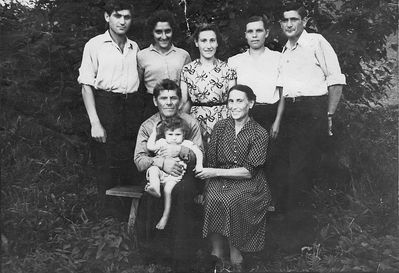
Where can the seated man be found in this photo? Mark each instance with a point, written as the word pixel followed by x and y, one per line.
pixel 181 226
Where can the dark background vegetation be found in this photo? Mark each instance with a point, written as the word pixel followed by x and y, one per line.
pixel 49 216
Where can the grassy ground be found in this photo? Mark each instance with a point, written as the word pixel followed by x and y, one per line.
pixel 50 220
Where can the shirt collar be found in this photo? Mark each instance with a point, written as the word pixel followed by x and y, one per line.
pixel 249 125
pixel 107 38
pixel 301 40
pixel 172 48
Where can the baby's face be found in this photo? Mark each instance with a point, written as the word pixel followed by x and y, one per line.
pixel 174 136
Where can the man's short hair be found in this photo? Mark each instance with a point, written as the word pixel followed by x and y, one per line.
pixel 298 7
pixel 161 16
pixel 257 18
pixel 117 5
pixel 166 84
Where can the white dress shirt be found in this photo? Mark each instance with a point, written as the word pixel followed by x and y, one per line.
pixel 309 67
pixel 105 67
pixel 259 73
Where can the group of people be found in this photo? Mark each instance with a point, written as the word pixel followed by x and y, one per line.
pixel 204 131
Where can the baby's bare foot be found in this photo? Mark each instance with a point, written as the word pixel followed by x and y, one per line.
pixel 152 190
pixel 162 223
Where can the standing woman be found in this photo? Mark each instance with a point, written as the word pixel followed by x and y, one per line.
pixel 237 194
pixel 205 81
pixel 161 60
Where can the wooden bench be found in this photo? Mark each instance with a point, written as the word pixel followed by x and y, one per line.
pixel 134 192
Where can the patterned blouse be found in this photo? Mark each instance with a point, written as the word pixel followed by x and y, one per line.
pixel 207 91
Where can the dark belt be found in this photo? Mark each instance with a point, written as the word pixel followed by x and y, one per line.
pixel 304 98
pixel 110 94
pixel 208 104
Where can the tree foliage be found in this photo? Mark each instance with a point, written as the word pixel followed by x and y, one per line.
pixel 49 199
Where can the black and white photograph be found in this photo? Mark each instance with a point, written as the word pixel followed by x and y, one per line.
pixel 199 136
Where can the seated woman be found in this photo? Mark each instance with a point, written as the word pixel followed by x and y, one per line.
pixel 236 194
pixel 205 81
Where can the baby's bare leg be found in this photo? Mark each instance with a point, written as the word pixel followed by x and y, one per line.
pixel 169 185
pixel 153 186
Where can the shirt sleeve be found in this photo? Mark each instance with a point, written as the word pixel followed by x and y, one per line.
pixel 257 154
pixel 328 61
pixel 89 67
pixel 187 59
pixel 142 156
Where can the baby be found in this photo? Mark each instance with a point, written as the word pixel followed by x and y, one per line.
pixel 173 131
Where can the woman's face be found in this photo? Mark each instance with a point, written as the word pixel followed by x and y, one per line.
pixel 239 105
pixel 207 44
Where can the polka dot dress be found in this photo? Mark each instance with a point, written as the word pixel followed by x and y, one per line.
pixel 236 208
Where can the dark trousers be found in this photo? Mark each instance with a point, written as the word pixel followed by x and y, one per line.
pixel 265 114
pixel 304 133
pixel 120 115
pixel 182 234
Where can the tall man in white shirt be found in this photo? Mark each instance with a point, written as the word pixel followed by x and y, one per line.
pixel 258 68
pixel 109 78
pixel 311 78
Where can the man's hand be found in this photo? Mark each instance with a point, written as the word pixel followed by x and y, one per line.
pixel 274 130
pixel 172 150
pixel 330 125
pixel 172 166
pixel 98 132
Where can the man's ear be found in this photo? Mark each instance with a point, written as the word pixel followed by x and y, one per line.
pixel 305 21
pixel 106 17
pixel 154 100
pixel 267 33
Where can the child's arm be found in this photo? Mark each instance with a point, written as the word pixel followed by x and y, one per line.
pixel 151 142
pixel 198 154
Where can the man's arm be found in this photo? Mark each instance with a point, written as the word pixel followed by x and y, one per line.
pixel 280 110
pixel 97 130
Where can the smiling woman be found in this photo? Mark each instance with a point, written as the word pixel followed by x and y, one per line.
pixel 236 194
pixel 161 60
pixel 205 81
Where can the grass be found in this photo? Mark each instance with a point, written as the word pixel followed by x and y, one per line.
pixel 50 220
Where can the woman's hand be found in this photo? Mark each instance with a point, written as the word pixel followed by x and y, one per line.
pixel 206 173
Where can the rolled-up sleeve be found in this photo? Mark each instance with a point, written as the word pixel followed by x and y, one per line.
pixel 142 156
pixel 329 63
pixel 89 67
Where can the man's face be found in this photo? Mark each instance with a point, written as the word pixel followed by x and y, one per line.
pixel 119 21
pixel 167 102
pixel 256 34
pixel 293 24
pixel 162 34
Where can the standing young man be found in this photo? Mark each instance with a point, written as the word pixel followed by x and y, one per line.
pixel 109 78
pixel 258 68
pixel 311 78
pixel 161 60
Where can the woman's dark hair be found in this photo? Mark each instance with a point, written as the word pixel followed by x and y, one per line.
pixel 117 5
pixel 161 16
pixel 173 123
pixel 257 18
pixel 205 27
pixel 298 7
pixel 243 88
pixel 166 84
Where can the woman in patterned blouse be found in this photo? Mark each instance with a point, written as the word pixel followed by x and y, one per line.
pixel 205 81
pixel 236 194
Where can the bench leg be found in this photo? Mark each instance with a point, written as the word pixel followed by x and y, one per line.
pixel 132 215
